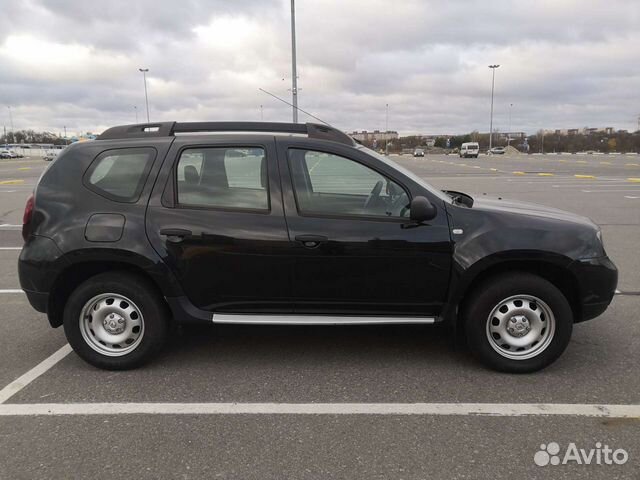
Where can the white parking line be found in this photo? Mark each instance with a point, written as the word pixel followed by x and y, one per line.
pixel 7 226
pixel 11 290
pixel 608 191
pixel 24 380
pixel 605 185
pixel 10 248
pixel 488 409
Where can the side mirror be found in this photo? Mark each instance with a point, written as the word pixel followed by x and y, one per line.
pixel 421 210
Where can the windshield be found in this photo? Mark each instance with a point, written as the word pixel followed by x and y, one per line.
pixel 441 195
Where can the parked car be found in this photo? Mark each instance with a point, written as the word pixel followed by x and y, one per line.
pixel 8 153
pixel 144 228
pixel 469 149
pixel 497 151
pixel 51 155
pixel 418 152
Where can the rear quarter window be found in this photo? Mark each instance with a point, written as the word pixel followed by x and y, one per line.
pixel 120 175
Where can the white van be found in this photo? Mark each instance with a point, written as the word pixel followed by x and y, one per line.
pixel 469 149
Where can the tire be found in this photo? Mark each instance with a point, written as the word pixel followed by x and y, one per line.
pixel 521 309
pixel 126 304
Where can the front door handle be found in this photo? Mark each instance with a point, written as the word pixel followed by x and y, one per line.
pixel 175 234
pixel 311 241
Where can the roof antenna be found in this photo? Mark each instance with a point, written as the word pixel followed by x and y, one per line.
pixel 296 107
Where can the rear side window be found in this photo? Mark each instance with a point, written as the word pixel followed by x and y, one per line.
pixel 223 177
pixel 120 175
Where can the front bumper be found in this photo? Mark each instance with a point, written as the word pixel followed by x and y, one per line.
pixel 38 300
pixel 597 281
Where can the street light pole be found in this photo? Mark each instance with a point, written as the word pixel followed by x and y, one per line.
pixel 386 130
pixel 135 108
pixel 493 79
pixel 13 133
pixel 509 131
pixel 294 74
pixel 261 113
pixel 146 98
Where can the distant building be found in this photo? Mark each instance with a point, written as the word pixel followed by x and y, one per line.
pixel 365 136
pixel 577 131
pixel 511 135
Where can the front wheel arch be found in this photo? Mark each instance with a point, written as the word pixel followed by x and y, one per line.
pixel 559 276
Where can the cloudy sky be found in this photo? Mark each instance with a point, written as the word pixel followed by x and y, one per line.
pixel 563 63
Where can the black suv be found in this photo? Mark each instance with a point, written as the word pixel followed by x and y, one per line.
pixel 275 223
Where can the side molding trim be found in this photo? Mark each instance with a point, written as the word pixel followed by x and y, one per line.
pixel 288 319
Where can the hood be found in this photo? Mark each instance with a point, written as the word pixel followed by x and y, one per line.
pixel 531 209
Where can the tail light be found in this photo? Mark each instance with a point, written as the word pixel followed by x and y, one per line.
pixel 26 218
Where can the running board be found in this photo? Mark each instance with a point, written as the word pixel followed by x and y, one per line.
pixel 248 319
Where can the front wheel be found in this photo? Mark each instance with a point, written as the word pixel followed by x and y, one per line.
pixel 518 323
pixel 116 321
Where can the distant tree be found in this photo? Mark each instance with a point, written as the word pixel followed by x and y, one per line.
pixel 31 136
pixel 440 142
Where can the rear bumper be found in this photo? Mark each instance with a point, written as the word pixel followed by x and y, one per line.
pixel 38 264
pixel 597 282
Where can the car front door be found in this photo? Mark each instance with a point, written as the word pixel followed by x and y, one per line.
pixel 356 251
pixel 216 219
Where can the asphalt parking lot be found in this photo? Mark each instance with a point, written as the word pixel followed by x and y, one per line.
pixel 316 402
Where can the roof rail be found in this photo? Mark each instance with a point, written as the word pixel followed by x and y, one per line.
pixel 140 130
pixel 168 129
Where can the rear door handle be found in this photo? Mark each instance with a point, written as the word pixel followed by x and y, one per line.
pixel 177 233
pixel 311 241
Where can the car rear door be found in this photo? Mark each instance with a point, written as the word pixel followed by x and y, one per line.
pixel 216 219
pixel 357 260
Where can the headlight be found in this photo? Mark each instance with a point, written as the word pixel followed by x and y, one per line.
pixel 599 236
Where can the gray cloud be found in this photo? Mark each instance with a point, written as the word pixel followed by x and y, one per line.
pixel 563 63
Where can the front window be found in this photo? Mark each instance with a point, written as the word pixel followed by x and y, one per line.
pixel 407 173
pixel 329 184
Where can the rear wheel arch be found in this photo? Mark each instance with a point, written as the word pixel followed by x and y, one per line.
pixel 77 273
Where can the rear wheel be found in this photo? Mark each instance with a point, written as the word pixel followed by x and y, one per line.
pixel 116 321
pixel 518 323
